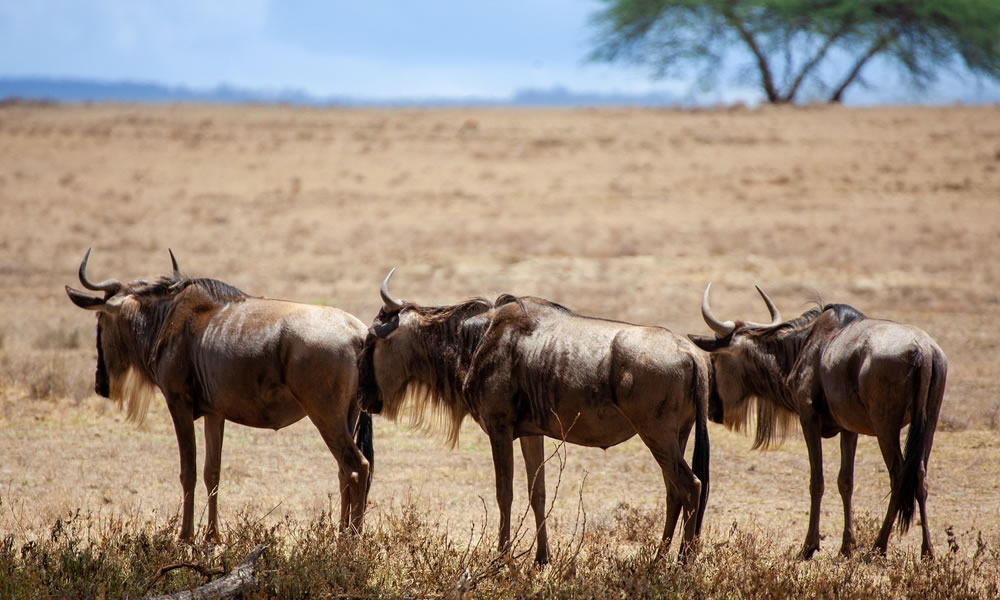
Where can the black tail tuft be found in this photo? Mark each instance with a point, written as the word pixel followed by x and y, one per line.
pixel 923 381
pixel 365 439
pixel 700 458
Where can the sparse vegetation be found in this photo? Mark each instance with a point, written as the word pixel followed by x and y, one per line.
pixel 47 374
pixel 58 338
pixel 858 205
pixel 407 555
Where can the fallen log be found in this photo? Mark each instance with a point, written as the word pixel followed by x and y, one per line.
pixel 224 587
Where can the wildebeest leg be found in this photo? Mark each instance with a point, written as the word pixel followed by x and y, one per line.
pixel 214 429
pixel 926 549
pixel 533 450
pixel 502 444
pixel 845 483
pixel 814 444
pixel 893 456
pixel 348 495
pixel 331 418
pixel 678 476
pixel 673 499
pixel 345 498
pixel 353 468
pixel 183 419
pixel 328 401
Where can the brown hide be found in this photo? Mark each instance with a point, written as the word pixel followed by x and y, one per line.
pixel 524 368
pixel 834 371
pixel 218 353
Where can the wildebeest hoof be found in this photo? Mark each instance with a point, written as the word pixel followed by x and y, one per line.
pixel 807 551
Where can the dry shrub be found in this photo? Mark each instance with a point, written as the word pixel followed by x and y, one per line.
pixel 635 524
pixel 406 554
pixel 952 422
pixel 48 374
pixel 993 415
pixel 58 337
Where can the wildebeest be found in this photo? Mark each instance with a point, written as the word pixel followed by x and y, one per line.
pixel 835 371
pixel 524 368
pixel 215 352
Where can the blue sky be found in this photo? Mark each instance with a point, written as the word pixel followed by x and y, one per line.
pixel 367 49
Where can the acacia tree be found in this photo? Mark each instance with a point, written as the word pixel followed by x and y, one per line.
pixel 793 43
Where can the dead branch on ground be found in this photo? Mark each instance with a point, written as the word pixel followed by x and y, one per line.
pixel 225 587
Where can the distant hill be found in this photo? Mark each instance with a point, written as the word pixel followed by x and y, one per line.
pixel 88 90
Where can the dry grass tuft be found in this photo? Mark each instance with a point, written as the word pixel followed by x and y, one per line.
pixel 405 555
pixel 47 374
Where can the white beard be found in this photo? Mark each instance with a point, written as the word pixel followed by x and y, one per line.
pixel 135 391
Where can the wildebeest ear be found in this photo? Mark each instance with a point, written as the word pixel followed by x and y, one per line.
pixel 84 300
pixel 382 330
pixel 709 343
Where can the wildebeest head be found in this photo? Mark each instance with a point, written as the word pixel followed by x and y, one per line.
pixel 419 353
pixel 129 318
pixel 749 361
pixel 384 326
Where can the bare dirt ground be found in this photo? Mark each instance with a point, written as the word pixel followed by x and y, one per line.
pixel 617 213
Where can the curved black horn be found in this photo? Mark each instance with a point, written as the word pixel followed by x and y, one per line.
pixel 173 263
pixel 109 285
pixel 771 308
pixel 391 304
pixel 721 328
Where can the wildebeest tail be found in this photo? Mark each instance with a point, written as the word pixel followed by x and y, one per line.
pixel 928 391
pixel 364 438
pixel 700 459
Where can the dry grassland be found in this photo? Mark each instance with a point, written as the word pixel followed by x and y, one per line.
pixel 618 213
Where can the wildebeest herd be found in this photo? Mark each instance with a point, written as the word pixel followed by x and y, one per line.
pixel 523 368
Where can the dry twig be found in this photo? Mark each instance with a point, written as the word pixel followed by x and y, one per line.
pixel 225 587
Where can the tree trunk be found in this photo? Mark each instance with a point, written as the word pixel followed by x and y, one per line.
pixel 877 47
pixel 811 64
pixel 766 79
pixel 225 587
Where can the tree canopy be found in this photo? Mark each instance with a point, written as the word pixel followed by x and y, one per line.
pixel 823 44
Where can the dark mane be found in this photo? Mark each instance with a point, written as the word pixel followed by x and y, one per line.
pixel 440 314
pixel 798 322
pixel 520 300
pixel 784 341
pixel 450 336
pixel 845 314
pixel 776 355
pixel 507 299
pixel 773 356
pixel 218 291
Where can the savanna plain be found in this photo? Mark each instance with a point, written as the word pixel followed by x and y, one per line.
pixel 618 213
